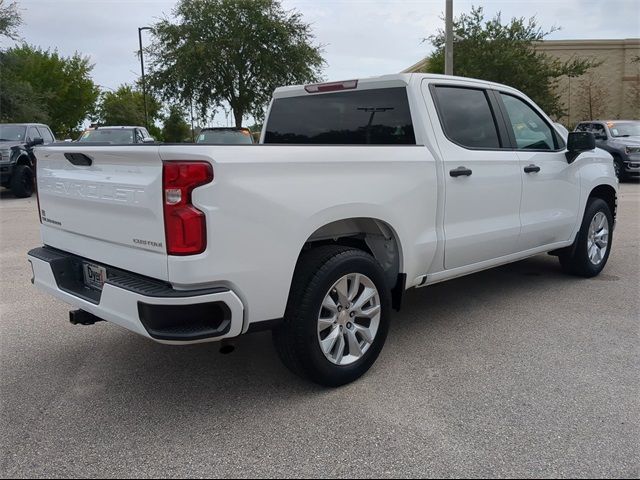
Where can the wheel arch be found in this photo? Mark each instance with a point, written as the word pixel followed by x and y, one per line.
pixel 23 159
pixel 372 235
pixel 608 194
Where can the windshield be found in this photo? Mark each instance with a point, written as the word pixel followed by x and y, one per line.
pixel 626 129
pixel 120 135
pixel 12 133
pixel 220 137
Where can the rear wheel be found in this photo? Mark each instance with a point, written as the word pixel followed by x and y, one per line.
pixel 590 252
pixel 337 316
pixel 22 181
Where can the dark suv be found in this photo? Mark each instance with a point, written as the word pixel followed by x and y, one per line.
pixel 621 138
pixel 16 158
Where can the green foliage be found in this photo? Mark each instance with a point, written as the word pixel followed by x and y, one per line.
pixel 10 20
pixel 233 52
pixel 256 127
pixel 125 106
pixel 505 53
pixel 176 129
pixel 40 85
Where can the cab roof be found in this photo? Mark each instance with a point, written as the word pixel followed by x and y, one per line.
pixel 384 81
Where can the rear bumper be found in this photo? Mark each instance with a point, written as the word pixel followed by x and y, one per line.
pixel 145 306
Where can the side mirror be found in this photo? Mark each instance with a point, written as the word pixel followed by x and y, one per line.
pixel 148 140
pixel 34 142
pixel 579 142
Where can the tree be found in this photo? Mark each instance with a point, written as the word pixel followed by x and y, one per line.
pixel 41 85
pixel 18 100
pixel 10 20
pixel 592 97
pixel 231 52
pixel 491 50
pixel 633 93
pixel 125 106
pixel 176 129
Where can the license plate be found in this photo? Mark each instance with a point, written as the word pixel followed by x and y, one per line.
pixel 94 275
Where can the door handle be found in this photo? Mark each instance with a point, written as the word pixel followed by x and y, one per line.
pixel 532 169
pixel 460 171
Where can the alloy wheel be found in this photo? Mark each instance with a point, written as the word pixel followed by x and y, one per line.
pixel 349 319
pixel 598 238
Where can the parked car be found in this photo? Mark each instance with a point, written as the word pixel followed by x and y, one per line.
pixel 225 136
pixel 621 138
pixel 116 135
pixel 366 189
pixel 16 159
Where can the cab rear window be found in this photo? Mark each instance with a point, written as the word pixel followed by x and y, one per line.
pixel 364 117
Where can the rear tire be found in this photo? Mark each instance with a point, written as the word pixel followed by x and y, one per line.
pixel 22 181
pixel 303 341
pixel 588 256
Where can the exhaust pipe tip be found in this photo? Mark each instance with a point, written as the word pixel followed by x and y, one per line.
pixel 80 317
pixel 227 347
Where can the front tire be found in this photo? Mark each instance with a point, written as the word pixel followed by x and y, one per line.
pixel 337 316
pixel 22 181
pixel 618 166
pixel 588 256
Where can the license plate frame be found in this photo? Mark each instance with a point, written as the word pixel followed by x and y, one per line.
pixel 94 275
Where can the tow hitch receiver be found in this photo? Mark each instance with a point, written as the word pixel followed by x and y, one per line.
pixel 80 317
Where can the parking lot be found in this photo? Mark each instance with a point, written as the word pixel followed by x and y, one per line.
pixel 516 371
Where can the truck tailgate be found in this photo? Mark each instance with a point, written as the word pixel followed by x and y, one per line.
pixel 104 203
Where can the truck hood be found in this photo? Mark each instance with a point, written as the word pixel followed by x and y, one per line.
pixel 11 144
pixel 627 141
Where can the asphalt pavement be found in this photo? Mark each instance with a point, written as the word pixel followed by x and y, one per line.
pixel 516 371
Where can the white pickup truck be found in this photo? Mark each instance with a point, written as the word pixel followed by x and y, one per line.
pixel 360 190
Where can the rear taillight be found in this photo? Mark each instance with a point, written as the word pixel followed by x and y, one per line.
pixel 184 225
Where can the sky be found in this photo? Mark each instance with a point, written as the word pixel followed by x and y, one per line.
pixel 360 37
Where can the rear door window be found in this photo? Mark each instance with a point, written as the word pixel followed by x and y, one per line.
pixel 466 117
pixel 598 129
pixel 45 135
pixel 33 133
pixel 359 117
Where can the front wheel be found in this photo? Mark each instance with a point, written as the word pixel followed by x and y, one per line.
pixel 337 316
pixel 22 181
pixel 588 256
pixel 618 167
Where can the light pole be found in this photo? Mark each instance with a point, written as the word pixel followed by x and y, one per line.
pixel 144 86
pixel 448 45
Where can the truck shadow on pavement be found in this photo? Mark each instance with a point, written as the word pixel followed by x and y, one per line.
pixel 6 194
pixel 106 365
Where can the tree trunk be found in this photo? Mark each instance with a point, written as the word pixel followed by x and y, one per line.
pixel 237 114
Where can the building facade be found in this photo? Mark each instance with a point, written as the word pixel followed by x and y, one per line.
pixel 609 91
